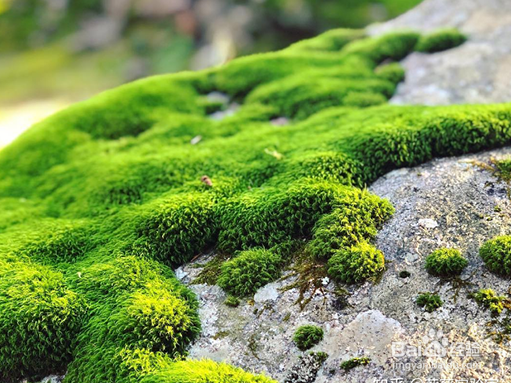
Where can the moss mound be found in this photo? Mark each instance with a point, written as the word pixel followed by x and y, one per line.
pixel 445 262
pixel 250 270
pixel 440 40
pixel 99 202
pixel 429 301
pixel 496 254
pixel 356 264
pixel 307 336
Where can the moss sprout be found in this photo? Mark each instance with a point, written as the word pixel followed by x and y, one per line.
pixel 232 301
pixel 307 336
pixel 489 300
pixel 445 262
pixel 429 301
pixel 355 362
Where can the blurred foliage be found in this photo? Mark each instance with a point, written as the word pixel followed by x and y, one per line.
pixel 84 46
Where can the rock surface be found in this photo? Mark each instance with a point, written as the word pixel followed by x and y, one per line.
pixel 452 202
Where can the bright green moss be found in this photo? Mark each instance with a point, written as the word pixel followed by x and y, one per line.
pixel 504 169
pixel 107 195
pixel 489 300
pixel 307 336
pixel 356 263
pixel 429 301
pixel 496 254
pixel 393 72
pixel 348 225
pixel 203 371
pixel 445 262
pixel 355 362
pixel 39 317
pixel 248 271
pixel 440 40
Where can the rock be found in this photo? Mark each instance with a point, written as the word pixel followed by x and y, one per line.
pixel 428 223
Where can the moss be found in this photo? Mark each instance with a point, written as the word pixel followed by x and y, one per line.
pixel 248 271
pixel 203 371
pixel 355 362
pixel 496 254
pixel 489 300
pixel 232 301
pixel 307 336
pixel 445 262
pixel 356 264
pixel 429 301
pixel 504 170
pixel 100 201
pixel 404 274
pixel 392 72
pixel 440 40
pixel 36 309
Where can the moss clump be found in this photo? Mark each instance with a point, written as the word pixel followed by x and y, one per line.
pixel 356 264
pixel 489 300
pixel 504 170
pixel 248 271
pixel 429 301
pixel 232 301
pixel 39 316
pixel 445 262
pixel 496 254
pixel 440 40
pixel 203 371
pixel 307 336
pixel 355 362
pixel 393 72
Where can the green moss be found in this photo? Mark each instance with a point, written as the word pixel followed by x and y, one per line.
pixel 504 170
pixel 248 271
pixel 489 300
pixel 203 371
pixel 232 301
pixel 445 262
pixel 429 301
pixel 356 264
pixel 99 202
pixel 496 254
pixel 307 336
pixel 393 72
pixel 355 362
pixel 39 317
pixel 440 40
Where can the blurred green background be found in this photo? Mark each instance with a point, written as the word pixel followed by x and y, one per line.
pixel 55 52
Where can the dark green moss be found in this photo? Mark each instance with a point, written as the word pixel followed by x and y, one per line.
pixel 440 40
pixel 429 301
pixel 355 362
pixel 307 336
pixel 445 262
pixel 404 274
